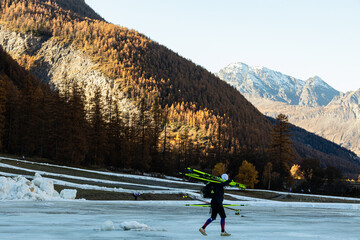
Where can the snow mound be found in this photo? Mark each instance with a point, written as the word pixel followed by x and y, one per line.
pixel 136 226
pixel 107 226
pixel 20 188
pixel 68 194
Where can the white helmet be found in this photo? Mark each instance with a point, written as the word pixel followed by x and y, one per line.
pixel 225 177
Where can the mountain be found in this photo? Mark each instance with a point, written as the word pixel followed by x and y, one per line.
pixel 262 82
pixel 316 92
pixel 174 113
pixel 265 83
pixel 58 46
pixel 312 104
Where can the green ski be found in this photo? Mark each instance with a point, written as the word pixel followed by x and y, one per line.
pixel 208 204
pixel 193 173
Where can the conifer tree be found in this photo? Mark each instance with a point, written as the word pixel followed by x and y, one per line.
pixel 116 139
pixel 139 132
pixel 155 136
pixel 97 132
pixel 52 123
pixel 281 149
pixel 78 128
pixel 267 175
pixel 64 125
pixel 313 173
pixel 2 110
pixel 27 118
pixel 10 136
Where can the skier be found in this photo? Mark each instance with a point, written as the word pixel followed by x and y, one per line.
pixel 136 195
pixel 217 206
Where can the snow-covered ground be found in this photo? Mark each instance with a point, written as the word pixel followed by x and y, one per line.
pixel 37 211
pixel 173 220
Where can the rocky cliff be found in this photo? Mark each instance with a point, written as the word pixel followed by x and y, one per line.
pixel 56 63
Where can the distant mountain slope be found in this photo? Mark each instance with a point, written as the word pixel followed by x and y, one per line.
pixel 208 120
pixel 265 83
pixel 329 152
pixel 312 105
pixel 262 82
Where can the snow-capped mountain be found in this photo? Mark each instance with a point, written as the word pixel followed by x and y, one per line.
pixel 316 92
pixel 266 83
pixel 312 104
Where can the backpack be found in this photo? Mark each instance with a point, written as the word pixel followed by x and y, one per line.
pixel 208 191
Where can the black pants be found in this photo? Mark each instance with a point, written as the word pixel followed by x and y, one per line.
pixel 217 208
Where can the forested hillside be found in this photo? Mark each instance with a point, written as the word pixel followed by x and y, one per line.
pixel 147 70
pixel 186 116
pixel 35 121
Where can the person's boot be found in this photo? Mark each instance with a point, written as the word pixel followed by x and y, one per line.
pixel 225 234
pixel 202 230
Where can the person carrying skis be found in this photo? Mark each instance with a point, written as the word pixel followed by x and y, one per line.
pixel 217 206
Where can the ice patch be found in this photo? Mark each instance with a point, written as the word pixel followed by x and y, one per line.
pixel 20 188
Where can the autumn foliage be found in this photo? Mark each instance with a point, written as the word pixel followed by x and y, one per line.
pixel 216 119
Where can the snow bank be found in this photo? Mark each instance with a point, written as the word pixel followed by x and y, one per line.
pixel 20 188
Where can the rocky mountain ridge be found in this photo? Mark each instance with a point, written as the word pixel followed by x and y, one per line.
pixel 312 104
pixel 266 83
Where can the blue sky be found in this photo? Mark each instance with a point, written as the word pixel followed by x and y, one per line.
pixel 300 38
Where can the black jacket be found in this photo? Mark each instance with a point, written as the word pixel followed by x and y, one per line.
pixel 219 192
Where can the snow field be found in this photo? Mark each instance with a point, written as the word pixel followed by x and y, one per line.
pixel 53 218
pixel 171 220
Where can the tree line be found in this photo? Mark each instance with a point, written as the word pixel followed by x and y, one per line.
pixel 35 121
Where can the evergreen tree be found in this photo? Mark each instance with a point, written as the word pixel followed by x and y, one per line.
pixel 313 174
pixel 143 129
pixel 155 136
pixel 11 131
pixel 39 132
pixel 52 111
pixel 281 149
pixel 27 118
pixel 63 128
pixel 3 101
pixel 114 133
pixel 78 128
pixel 97 132
pixel 268 175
